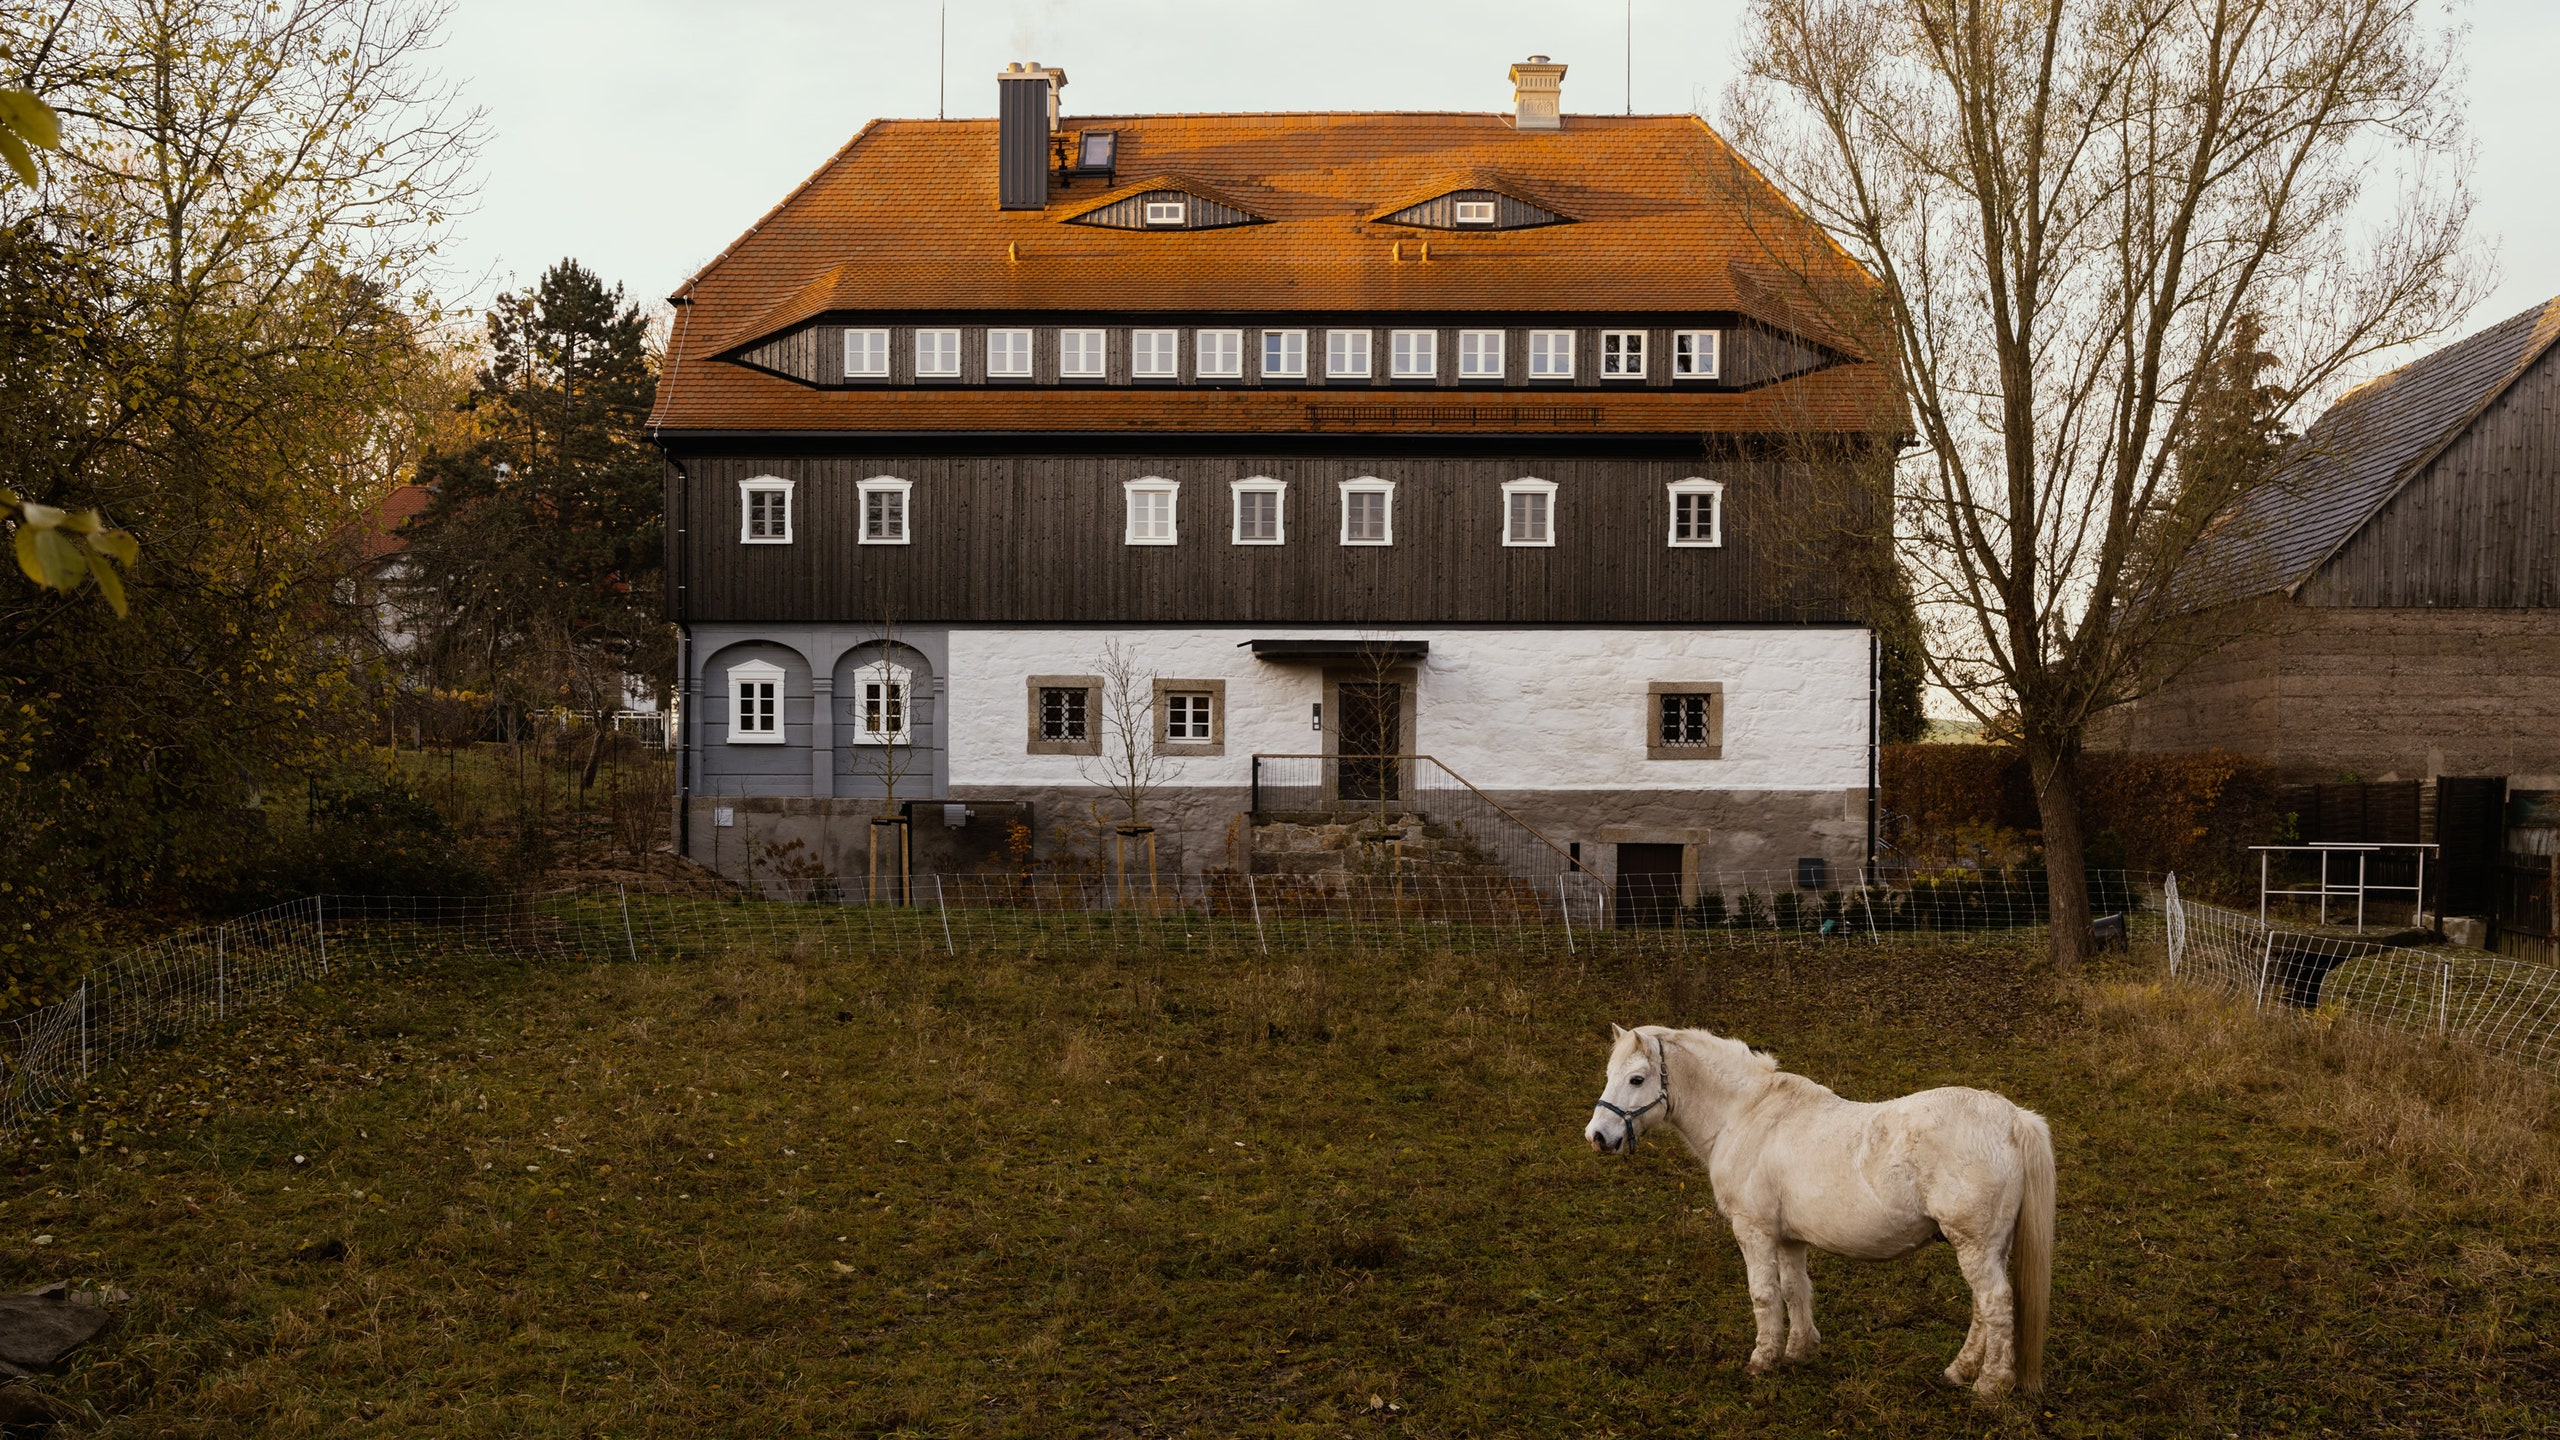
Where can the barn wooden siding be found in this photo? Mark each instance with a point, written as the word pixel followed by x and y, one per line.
pixel 1039 540
pixel 1442 214
pixel 1752 356
pixel 1199 213
pixel 2478 527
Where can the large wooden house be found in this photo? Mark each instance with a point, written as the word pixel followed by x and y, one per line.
pixel 1349 435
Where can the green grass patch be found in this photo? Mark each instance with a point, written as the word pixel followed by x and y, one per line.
pixel 796 1192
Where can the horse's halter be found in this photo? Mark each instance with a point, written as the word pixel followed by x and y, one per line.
pixel 1661 1098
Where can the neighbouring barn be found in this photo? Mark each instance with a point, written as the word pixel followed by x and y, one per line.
pixel 1425 462
pixel 2398 590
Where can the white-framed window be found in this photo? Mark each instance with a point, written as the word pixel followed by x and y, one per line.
pixel 1081 353
pixel 1550 354
pixel 866 354
pixel 938 354
pixel 1697 512
pixel 1368 511
pixel 1218 354
pixel 1475 212
pixel 1346 353
pixel 1479 354
pixel 1155 354
pixel 1150 510
pixel 1697 354
pixel 764 511
pixel 1414 354
pixel 755 703
pixel 1167 212
pixel 1621 354
pixel 1187 717
pixel 883 704
pixel 1529 512
pixel 1284 354
pixel 1261 511
pixel 884 509
pixel 1009 354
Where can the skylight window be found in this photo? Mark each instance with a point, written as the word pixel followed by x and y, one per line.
pixel 1167 212
pixel 1096 150
pixel 1475 212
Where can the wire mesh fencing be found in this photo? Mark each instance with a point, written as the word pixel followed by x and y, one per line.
pixel 2505 1007
pixel 162 992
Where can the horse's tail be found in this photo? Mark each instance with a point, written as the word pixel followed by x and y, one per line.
pixel 2033 1247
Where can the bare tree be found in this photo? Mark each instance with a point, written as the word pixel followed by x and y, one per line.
pixel 2075 214
pixel 1130 764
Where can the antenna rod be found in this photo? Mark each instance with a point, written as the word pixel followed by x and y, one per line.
pixel 942 65
pixel 1631 57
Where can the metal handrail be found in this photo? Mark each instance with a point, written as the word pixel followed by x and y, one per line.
pixel 1572 861
pixel 2363 851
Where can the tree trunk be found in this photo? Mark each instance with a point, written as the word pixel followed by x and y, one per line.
pixel 2056 771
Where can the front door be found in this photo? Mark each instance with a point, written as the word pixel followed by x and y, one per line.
pixel 1366 739
pixel 1648 885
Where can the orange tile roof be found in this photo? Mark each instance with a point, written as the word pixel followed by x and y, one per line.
pixel 904 218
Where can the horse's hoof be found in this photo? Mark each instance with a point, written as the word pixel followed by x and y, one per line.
pixel 1990 1386
pixel 1797 1355
pixel 1955 1376
pixel 1760 1365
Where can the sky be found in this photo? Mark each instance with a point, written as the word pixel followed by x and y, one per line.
pixel 642 136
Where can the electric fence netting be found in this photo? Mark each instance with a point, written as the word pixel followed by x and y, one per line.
pixel 160 993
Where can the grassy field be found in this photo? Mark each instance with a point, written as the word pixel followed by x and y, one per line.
pixel 778 1194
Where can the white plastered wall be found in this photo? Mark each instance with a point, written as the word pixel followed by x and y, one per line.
pixel 1509 709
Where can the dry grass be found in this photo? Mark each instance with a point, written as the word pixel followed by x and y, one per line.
pixel 1009 1194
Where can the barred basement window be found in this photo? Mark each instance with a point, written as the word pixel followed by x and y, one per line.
pixel 1685 718
pixel 764 511
pixel 1062 714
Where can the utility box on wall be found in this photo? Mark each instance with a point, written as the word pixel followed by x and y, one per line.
pixel 964 837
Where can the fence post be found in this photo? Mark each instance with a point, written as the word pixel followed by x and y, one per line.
pixel 628 943
pixel 221 986
pixel 1867 903
pixel 1564 902
pixel 320 926
pixel 941 905
pixel 84 1030
pixel 1255 895
pixel 2266 958
pixel 2444 1000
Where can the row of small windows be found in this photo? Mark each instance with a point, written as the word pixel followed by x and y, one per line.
pixel 1257 514
pixel 1219 354
pixel 1688 720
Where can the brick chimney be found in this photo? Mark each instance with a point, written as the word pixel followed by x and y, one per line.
pixel 1026 113
pixel 1537 94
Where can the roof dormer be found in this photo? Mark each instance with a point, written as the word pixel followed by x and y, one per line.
pixel 1472 200
pixel 1164 202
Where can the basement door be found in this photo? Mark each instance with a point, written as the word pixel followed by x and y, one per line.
pixel 1365 747
pixel 1648 885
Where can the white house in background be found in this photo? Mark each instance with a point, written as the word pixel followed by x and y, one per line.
pixel 1359 435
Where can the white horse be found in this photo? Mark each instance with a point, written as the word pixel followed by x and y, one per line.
pixel 1795 1165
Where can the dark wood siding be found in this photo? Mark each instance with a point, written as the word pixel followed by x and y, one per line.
pixel 2479 527
pixel 1200 214
pixel 1038 539
pixel 1442 214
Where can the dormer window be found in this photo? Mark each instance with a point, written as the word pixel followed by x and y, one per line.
pixel 866 354
pixel 1167 212
pixel 1622 354
pixel 1694 354
pixel 938 354
pixel 1475 212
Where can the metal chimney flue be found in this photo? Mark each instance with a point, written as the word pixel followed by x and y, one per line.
pixel 1537 94
pixel 1026 113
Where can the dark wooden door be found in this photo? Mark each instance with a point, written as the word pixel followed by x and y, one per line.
pixel 1366 741
pixel 1648 885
